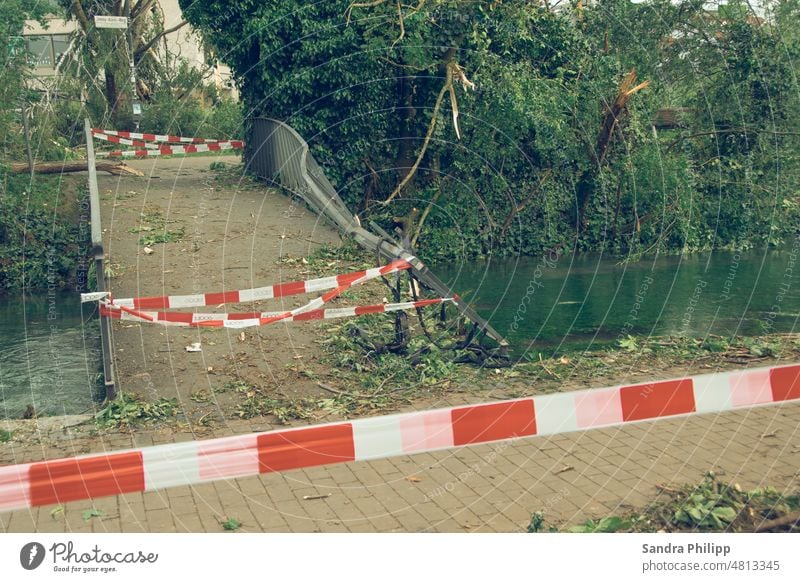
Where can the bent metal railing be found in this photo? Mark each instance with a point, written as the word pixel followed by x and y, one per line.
pixel 277 154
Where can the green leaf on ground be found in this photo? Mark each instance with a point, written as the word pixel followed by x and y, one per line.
pixel 90 513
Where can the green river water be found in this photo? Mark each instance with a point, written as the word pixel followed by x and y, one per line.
pixel 49 355
pixel 50 352
pixel 560 301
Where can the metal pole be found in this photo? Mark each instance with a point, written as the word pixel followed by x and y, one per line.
pixel 98 252
pixel 132 64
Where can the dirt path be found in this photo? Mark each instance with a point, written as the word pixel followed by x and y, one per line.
pixel 226 232
pixel 229 233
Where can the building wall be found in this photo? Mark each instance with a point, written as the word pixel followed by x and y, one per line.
pixel 185 43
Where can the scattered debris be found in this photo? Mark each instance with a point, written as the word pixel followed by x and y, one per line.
pixel 90 513
pixel 310 497
pixel 195 347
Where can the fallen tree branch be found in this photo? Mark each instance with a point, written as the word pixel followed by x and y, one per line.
pixel 410 174
pixel 424 216
pixel 453 72
pixel 115 168
pixel 793 519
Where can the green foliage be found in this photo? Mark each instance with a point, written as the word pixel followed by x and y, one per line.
pixel 759 348
pixel 231 524
pixel 130 410
pixel 610 524
pixel 421 364
pixel 42 239
pixel 712 506
pixel 629 343
pixel 530 170
pixel 537 524
pixel 14 73
pixel 88 514
pixel 709 506
pixel 5 435
pixel 153 229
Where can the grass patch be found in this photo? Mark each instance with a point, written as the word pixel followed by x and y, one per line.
pixel 5 436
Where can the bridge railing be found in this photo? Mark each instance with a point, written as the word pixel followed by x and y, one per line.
pixel 98 254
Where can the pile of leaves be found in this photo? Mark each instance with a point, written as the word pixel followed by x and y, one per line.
pixel 709 506
pixel 130 410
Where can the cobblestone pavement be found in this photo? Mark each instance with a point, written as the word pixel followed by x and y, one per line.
pixel 485 488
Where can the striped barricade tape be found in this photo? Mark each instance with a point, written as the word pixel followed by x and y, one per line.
pixel 188 463
pixel 268 319
pixel 150 137
pixel 260 293
pixel 146 144
pixel 176 150
pixel 240 320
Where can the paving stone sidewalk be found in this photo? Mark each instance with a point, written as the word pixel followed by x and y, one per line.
pixel 484 488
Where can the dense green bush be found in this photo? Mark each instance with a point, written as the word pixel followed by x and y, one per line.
pixel 533 167
pixel 44 239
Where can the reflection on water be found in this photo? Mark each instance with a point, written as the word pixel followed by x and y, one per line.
pixel 548 302
pixel 48 357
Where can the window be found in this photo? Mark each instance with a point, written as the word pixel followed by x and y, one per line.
pixel 46 50
pixel 41 50
pixel 60 46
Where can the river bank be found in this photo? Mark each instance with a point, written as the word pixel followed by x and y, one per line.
pixel 346 395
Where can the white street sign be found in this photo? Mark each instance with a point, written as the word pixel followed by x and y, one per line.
pixel 111 21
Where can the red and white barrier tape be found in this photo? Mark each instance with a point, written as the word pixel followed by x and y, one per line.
pixel 239 320
pixel 188 463
pixel 153 144
pixel 129 142
pixel 151 137
pixel 263 319
pixel 257 294
pixel 176 150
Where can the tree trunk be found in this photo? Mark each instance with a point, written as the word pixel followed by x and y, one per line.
pixel 116 168
pixel 111 92
pixel 611 119
pixel 405 149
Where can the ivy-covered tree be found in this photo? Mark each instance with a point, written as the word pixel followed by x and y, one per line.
pixel 513 126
